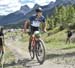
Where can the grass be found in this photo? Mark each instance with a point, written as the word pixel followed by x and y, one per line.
pixel 54 41
pixel 9 58
pixel 8 55
pixel 57 40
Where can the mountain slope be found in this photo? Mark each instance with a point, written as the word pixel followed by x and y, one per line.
pixel 16 16
pixel 26 12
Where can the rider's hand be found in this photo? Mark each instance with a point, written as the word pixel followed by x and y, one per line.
pixel 44 30
pixel 24 31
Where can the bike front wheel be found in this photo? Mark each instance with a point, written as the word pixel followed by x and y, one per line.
pixel 40 51
pixel 32 52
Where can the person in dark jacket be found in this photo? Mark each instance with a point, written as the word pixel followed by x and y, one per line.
pixel 1 43
pixel 69 34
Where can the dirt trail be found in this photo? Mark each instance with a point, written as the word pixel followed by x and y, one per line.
pixel 24 58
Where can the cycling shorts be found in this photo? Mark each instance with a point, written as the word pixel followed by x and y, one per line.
pixel 33 29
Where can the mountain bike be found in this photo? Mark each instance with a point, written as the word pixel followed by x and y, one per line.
pixel 37 47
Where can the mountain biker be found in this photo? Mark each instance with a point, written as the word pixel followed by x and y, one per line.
pixel 34 23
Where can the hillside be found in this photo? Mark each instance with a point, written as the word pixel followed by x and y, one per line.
pixel 26 12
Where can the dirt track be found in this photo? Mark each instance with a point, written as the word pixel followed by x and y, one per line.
pixel 54 58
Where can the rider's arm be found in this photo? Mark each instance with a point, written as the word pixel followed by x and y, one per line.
pixel 44 25
pixel 26 24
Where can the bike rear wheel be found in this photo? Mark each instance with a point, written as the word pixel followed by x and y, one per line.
pixel 40 51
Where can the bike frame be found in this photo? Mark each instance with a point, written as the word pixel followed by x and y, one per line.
pixel 33 40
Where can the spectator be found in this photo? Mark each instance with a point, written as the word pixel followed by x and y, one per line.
pixel 69 34
pixel 1 42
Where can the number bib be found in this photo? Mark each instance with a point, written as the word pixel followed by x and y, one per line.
pixel 35 23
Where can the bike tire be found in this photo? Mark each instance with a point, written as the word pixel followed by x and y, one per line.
pixel 37 51
pixel 32 53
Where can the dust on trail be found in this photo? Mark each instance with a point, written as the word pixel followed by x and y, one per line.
pixel 22 57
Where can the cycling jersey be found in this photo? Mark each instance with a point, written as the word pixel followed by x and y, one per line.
pixel 35 23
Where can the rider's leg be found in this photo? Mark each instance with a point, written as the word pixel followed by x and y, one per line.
pixel 29 47
pixel 33 29
pixel 31 32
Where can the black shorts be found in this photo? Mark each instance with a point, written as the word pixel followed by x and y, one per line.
pixel 33 29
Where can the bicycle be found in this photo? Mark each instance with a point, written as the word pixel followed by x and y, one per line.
pixel 37 47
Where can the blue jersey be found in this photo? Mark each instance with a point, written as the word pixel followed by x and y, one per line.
pixel 35 22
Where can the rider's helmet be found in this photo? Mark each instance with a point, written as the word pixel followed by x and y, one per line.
pixel 39 9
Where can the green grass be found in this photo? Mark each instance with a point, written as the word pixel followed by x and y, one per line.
pixel 8 56
pixel 54 41
pixel 57 40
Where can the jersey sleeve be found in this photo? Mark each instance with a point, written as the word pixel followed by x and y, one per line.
pixel 31 18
